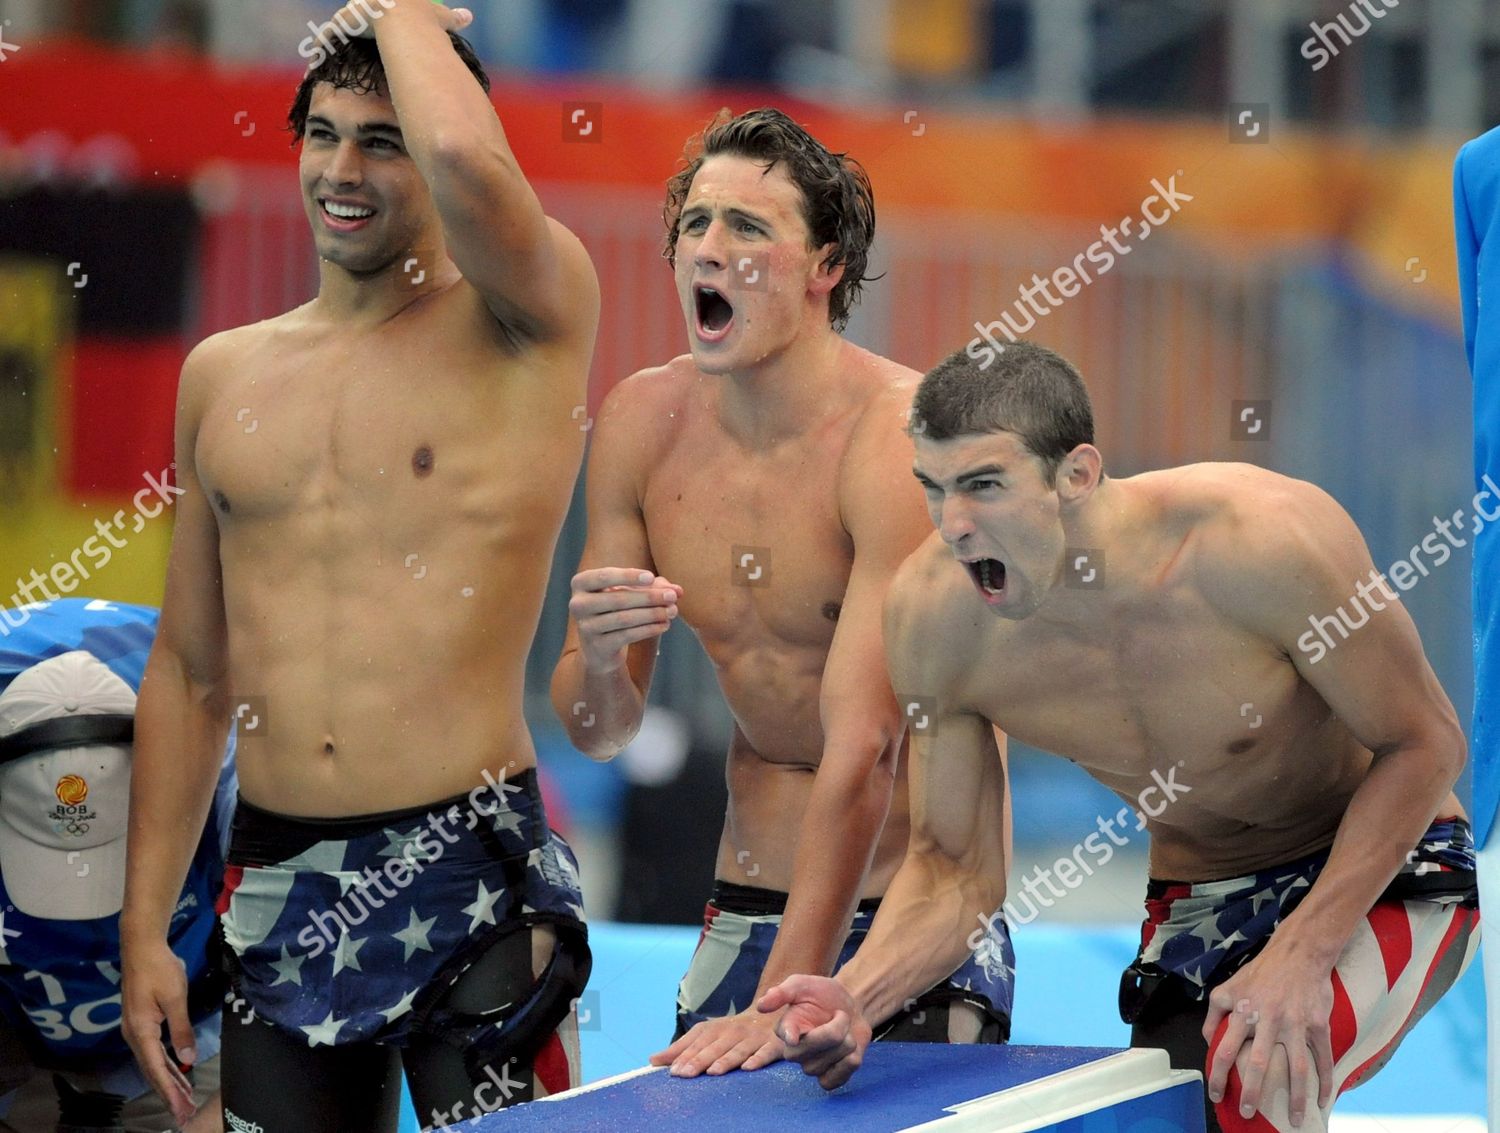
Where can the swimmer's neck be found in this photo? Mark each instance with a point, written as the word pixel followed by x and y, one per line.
pixel 1117 517
pixel 375 297
pixel 788 393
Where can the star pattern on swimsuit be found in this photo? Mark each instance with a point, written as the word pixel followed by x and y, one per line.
pixel 346 954
pixel 403 1005
pixel 482 909
pixel 324 857
pixel 508 821
pixel 1209 933
pixel 397 845
pixel 288 969
pixel 13 933
pixel 414 935
pixel 325 1033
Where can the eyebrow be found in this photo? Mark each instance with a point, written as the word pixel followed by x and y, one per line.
pixel 733 213
pixel 985 472
pixel 366 128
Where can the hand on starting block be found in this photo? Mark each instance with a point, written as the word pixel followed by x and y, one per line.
pixel 747 1041
pixel 822 1028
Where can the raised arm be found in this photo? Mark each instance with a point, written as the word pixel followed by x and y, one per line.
pixel 1379 684
pixel 182 723
pixel 533 273
pixel 953 876
pixel 619 607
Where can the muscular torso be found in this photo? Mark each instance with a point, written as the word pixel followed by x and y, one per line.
pixel 1165 681
pixel 708 501
pixel 387 501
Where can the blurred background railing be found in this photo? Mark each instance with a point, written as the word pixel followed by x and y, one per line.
pixel 1062 57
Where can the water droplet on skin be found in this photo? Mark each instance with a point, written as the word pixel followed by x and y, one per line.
pixel 468 592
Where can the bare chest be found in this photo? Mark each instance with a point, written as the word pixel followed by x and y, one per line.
pixel 756 541
pixel 1165 681
pixel 374 425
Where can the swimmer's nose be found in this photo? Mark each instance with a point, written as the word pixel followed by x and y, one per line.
pixel 346 168
pixel 954 521
pixel 712 254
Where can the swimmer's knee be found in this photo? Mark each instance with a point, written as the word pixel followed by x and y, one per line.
pixel 1274 1109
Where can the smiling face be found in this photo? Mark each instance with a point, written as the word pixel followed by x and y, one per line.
pixel 991 500
pixel 747 279
pixel 364 197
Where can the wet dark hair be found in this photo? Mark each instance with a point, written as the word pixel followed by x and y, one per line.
pixel 837 201
pixel 1026 389
pixel 355 65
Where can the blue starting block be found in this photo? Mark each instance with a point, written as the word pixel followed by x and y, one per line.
pixel 901 1087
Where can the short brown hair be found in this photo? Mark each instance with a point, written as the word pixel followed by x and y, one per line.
pixel 1027 390
pixel 355 65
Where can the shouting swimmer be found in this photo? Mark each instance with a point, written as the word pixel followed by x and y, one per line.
pixel 1312 886
pixel 757 487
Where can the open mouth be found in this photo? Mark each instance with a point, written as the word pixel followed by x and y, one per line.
pixel 344 217
pixel 989 577
pixel 715 313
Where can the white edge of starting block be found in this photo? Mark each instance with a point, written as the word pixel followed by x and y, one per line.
pixel 603 1083
pixel 1121 1077
pixel 1429 1123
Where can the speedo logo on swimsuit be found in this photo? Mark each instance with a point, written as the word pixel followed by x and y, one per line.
pixel 240 1125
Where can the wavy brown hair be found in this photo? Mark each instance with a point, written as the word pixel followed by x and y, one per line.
pixel 837 201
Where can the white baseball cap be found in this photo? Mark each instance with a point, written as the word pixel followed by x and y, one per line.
pixel 64 810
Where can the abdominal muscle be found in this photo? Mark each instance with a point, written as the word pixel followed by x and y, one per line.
pixel 767 802
pixel 379 692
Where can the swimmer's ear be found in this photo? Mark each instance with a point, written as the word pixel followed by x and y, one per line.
pixel 825 276
pixel 1079 474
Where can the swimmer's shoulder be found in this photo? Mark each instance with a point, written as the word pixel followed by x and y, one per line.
pixel 1228 499
pixel 885 382
pixel 886 389
pixel 643 413
pixel 1256 533
pixel 652 398
pixel 216 361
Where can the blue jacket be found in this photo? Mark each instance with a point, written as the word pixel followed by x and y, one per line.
pixel 1476 193
pixel 59 982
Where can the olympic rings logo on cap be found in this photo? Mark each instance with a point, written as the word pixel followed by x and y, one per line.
pixel 72 790
pixel 76 827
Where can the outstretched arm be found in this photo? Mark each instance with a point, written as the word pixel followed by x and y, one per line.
pixel 533 274
pixel 953 876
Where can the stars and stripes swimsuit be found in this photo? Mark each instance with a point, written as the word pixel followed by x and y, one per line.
pixel 1410 948
pixel 343 932
pixel 740 924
